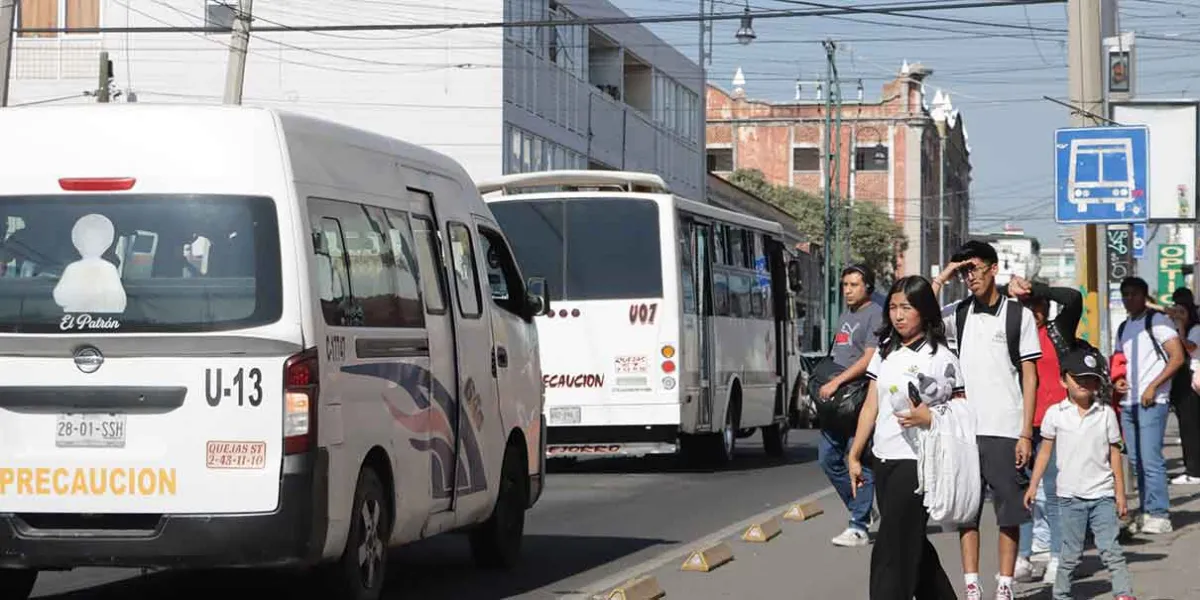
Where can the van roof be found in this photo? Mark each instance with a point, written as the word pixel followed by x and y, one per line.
pixel 97 138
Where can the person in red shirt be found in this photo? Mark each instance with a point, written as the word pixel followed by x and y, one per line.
pixel 1057 337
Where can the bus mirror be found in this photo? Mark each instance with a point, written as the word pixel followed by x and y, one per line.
pixel 538 296
pixel 793 272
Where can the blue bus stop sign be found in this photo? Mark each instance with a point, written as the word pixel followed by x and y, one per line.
pixel 1101 175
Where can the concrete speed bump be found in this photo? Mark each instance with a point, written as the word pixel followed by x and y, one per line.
pixel 641 588
pixel 708 559
pixel 763 532
pixel 803 512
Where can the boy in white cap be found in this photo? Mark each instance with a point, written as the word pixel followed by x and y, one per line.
pixel 1089 465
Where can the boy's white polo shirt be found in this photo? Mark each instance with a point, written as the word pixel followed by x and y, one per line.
pixel 1081 444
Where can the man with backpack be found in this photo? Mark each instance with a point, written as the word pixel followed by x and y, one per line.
pixel 998 350
pixel 841 378
pixel 1153 354
pixel 1057 338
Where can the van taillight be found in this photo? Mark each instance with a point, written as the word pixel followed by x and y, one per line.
pixel 300 384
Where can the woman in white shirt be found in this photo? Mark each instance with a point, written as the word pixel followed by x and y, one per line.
pixel 912 351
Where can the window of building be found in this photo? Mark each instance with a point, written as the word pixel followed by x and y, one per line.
pixel 44 14
pixel 806 159
pixel 871 158
pixel 720 160
pixel 220 13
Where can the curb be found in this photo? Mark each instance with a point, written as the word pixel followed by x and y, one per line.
pixel 709 549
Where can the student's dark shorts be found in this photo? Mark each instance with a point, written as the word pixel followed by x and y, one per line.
pixel 998 468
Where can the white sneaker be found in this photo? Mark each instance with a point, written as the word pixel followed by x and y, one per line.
pixel 1157 525
pixel 1185 479
pixel 973 592
pixel 1051 570
pixel 850 538
pixel 1004 592
pixel 1023 571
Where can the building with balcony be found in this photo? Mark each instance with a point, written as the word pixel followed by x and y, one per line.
pixel 499 100
pixel 891 154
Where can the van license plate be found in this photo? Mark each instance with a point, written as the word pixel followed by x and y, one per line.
pixel 90 430
pixel 564 415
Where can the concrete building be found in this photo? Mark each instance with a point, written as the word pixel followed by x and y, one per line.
pixel 1058 266
pixel 892 153
pixel 498 100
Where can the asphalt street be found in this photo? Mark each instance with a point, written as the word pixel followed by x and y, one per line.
pixel 595 519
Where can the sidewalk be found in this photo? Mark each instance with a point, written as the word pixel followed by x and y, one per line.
pixel 801 563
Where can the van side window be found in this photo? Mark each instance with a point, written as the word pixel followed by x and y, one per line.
pixel 462 255
pixel 333 281
pixel 403 263
pixel 355 239
pixel 503 276
pixel 430 266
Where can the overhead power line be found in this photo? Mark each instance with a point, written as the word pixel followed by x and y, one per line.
pixel 894 9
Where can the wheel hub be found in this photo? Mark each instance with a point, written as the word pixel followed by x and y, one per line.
pixel 371 550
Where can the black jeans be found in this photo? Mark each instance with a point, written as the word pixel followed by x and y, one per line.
pixel 904 563
pixel 1187 411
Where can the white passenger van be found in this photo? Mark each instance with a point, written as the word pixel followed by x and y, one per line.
pixel 233 337
pixel 675 326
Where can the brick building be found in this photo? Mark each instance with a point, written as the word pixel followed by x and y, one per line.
pixel 891 154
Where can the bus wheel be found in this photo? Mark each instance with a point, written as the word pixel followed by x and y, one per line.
pixel 17 584
pixel 775 438
pixel 497 542
pixel 359 575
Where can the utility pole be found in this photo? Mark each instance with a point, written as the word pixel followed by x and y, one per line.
pixel 235 74
pixel 1085 78
pixel 830 294
pixel 104 85
pixel 941 256
pixel 8 16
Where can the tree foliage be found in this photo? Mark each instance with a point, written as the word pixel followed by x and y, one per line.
pixel 875 239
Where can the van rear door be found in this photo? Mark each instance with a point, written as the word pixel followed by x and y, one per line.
pixel 128 385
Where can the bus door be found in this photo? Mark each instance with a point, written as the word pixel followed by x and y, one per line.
pixel 781 305
pixel 699 236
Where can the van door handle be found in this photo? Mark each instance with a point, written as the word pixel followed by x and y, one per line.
pixel 501 357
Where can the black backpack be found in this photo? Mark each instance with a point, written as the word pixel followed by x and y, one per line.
pixel 1012 330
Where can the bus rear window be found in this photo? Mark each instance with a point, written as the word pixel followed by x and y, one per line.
pixel 138 263
pixel 587 248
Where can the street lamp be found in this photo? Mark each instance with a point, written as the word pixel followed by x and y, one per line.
pixel 745 33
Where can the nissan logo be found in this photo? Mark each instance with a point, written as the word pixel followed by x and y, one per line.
pixel 88 359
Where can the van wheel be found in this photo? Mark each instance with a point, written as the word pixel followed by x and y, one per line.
pixel 497 542
pixel 775 438
pixel 360 573
pixel 17 584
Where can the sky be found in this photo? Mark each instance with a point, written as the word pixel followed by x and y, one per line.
pixel 995 75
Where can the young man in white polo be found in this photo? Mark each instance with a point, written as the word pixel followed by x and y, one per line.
pixel 998 352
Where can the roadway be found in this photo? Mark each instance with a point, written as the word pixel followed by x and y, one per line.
pixel 595 519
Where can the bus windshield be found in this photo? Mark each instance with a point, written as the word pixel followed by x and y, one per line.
pixel 587 248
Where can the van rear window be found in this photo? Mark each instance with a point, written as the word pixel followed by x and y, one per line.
pixel 127 263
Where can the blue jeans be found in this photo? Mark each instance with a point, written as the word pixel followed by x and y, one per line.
pixel 1144 429
pixel 831 453
pixel 1100 515
pixel 1044 527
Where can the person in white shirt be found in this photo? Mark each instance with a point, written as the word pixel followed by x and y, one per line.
pixel 1087 438
pixel 1153 353
pixel 913 359
pixel 998 348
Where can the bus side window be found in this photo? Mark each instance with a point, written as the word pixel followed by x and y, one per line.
pixel 720 294
pixel 739 296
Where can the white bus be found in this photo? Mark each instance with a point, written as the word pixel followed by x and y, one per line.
pixel 307 366
pixel 672 315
